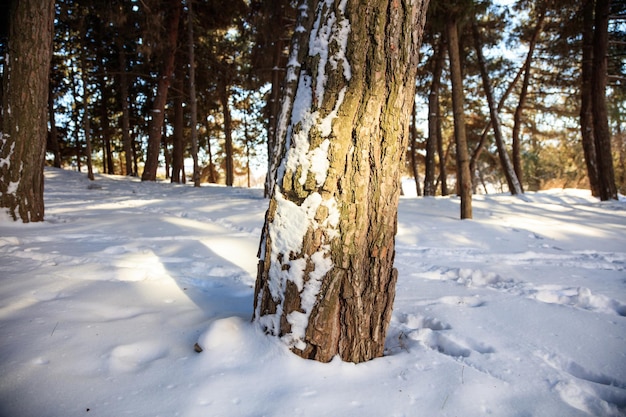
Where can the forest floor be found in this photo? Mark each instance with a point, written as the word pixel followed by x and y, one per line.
pixel 519 312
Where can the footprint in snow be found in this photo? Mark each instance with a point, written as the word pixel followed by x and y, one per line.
pixel 434 334
pixel 582 388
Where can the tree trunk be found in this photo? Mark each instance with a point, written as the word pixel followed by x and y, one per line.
pixel 517 116
pixel 274 108
pixel 443 157
pixel 124 98
pixel 433 122
pixel 505 161
pixel 86 122
pixel 228 133
pixel 178 142
pixel 464 179
pixel 276 144
pixel 586 114
pixel 193 100
pixel 602 135
pixel 326 281
pixel 54 134
pixel 158 107
pixel 105 129
pixel 24 130
pixel 414 164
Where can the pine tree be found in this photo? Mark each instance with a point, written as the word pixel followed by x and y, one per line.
pixel 326 281
pixel 25 106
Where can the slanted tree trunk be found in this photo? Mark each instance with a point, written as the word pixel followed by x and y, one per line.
pixel 25 93
pixel 326 281
pixel 517 116
pixel 505 161
pixel 433 121
pixel 602 135
pixel 464 178
pixel 586 114
pixel 155 124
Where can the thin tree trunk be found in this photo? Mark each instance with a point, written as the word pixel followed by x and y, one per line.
pixel 86 123
pixel 193 100
pixel 602 135
pixel 433 121
pixel 505 161
pixel 274 106
pixel 158 107
pixel 25 93
pixel 464 179
pixel 228 133
pixel 178 144
pixel 124 98
pixel 483 137
pixel 105 128
pixel 517 116
pixel 414 164
pixel 586 114
pixel 327 287
pixel 54 134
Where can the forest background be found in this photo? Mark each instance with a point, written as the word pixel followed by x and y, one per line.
pixel 122 90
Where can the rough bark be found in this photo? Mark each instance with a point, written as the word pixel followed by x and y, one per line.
pixel 464 179
pixel 505 161
pixel 602 135
pixel 25 96
pixel 155 124
pixel 328 288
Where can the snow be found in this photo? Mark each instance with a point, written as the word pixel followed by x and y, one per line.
pixel 519 312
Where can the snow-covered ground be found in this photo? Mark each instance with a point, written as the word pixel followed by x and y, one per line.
pixel 519 312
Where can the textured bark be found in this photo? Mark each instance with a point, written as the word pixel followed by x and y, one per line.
pixel 464 179
pixel 433 121
pixel 158 107
pixel 25 96
pixel 329 291
pixel 505 161
pixel 602 135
